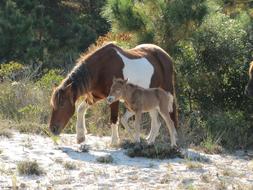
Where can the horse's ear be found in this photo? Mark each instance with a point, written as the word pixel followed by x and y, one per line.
pixel 126 80
pixel 114 79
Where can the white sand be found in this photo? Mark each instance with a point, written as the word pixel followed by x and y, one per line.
pixel 221 172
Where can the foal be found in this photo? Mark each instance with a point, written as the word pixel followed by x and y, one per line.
pixel 139 100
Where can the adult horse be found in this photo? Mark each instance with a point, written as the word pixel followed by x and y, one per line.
pixel 249 87
pixel 145 65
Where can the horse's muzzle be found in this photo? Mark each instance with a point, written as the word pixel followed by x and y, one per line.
pixel 110 99
pixel 54 130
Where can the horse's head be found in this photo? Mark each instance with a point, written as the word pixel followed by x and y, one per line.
pixel 249 87
pixel 116 91
pixel 63 107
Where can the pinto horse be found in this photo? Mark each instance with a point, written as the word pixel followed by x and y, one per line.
pixel 249 87
pixel 145 65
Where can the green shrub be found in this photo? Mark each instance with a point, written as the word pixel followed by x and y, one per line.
pixel 48 80
pixel 7 70
pixel 231 129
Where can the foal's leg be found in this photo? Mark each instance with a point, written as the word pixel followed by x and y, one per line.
pixel 124 121
pixel 155 126
pixel 137 126
pixel 80 124
pixel 170 124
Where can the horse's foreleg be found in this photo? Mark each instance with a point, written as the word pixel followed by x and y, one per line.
pixel 124 121
pixel 80 124
pixel 114 124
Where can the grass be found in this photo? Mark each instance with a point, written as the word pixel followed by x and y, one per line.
pixel 230 173
pixel 142 149
pixel 29 168
pixel 206 178
pixel 193 165
pixel 210 146
pixel 70 166
pixel 5 132
pixel 105 159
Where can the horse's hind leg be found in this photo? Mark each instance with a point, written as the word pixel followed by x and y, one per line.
pixel 164 111
pixel 80 124
pixel 155 126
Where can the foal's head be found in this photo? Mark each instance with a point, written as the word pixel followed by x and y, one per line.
pixel 249 87
pixel 63 107
pixel 117 89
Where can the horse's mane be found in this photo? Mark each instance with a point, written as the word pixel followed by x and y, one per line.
pixel 93 49
pixel 79 77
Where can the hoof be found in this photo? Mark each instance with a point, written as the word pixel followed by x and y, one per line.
pixel 115 142
pixel 80 140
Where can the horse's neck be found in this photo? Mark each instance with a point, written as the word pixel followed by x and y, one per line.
pixel 128 92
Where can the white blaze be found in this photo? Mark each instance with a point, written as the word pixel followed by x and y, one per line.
pixel 138 71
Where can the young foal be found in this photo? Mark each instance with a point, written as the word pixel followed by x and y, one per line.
pixel 141 100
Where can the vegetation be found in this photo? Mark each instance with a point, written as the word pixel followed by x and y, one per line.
pixel 158 150
pixel 70 165
pixel 105 159
pixel 211 43
pixel 29 168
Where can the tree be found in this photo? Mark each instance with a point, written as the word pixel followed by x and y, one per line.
pixel 53 32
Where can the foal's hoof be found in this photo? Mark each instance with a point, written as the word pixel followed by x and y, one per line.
pixel 80 140
pixel 115 143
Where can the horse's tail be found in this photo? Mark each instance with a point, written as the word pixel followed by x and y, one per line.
pixel 169 81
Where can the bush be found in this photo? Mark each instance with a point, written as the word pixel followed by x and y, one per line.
pixel 29 168
pixel 231 129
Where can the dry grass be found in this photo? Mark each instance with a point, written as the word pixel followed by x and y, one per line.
pixel 206 178
pixel 29 168
pixel 230 173
pixel 70 166
pixel 193 165
pixel 105 159
pixel 5 132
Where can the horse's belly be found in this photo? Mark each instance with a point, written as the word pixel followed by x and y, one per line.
pixel 137 71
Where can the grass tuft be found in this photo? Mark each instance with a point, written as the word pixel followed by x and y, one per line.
pixel 5 132
pixel 193 165
pixel 29 168
pixel 105 159
pixel 70 166
pixel 142 149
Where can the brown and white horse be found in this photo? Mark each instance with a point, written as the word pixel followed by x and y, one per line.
pixel 145 65
pixel 249 87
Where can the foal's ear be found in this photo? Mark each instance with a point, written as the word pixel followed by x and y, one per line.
pixel 125 81
pixel 114 79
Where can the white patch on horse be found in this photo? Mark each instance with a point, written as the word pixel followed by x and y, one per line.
pixel 138 71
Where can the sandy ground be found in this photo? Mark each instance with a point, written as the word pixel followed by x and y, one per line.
pixel 211 172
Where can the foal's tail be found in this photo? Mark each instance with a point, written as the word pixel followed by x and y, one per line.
pixel 171 101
